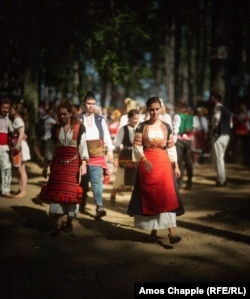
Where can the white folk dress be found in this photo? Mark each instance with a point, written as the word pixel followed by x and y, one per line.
pixel 25 150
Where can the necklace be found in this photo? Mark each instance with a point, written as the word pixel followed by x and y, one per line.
pixel 66 128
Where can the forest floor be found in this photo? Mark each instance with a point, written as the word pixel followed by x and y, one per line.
pixel 104 259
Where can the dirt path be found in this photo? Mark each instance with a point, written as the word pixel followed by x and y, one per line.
pixel 103 259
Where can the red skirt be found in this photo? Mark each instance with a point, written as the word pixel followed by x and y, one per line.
pixel 157 188
pixel 63 184
pixel 199 140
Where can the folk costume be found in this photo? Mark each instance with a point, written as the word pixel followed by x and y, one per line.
pixel 25 150
pixel 5 163
pixel 125 175
pixel 155 199
pixel 98 141
pixel 222 124
pixel 65 150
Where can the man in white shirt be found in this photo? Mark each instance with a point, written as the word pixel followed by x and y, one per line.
pixel 98 140
pixel 221 124
pixel 5 164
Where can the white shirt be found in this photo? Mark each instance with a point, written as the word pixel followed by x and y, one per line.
pixel 92 132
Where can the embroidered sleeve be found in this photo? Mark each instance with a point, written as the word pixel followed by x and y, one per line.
pixel 172 154
pixel 83 148
pixel 170 142
pixel 171 148
pixel 107 138
pixel 176 126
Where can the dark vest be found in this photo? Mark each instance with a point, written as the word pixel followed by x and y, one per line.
pixel 126 141
pixel 224 123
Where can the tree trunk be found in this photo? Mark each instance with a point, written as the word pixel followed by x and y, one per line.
pixel 220 43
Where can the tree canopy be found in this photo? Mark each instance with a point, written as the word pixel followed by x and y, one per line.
pixel 139 48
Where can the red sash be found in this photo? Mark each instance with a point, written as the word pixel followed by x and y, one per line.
pixel 3 139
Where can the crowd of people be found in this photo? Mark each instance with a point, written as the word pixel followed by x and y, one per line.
pixel 153 150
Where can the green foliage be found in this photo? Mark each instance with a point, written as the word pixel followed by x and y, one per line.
pixel 114 36
pixel 116 46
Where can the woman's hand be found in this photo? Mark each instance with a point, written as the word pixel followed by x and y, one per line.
pixel 177 171
pixel 110 156
pixel 16 150
pixel 116 162
pixel 83 169
pixel 45 172
pixel 45 169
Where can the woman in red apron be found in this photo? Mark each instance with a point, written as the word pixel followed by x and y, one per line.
pixel 155 199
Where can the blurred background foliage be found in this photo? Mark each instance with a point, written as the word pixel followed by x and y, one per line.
pixel 117 49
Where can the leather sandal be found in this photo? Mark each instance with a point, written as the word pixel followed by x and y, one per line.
pixel 55 232
pixel 67 227
pixel 174 239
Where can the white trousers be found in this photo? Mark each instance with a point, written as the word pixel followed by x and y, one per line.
pixel 220 145
pixel 6 171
